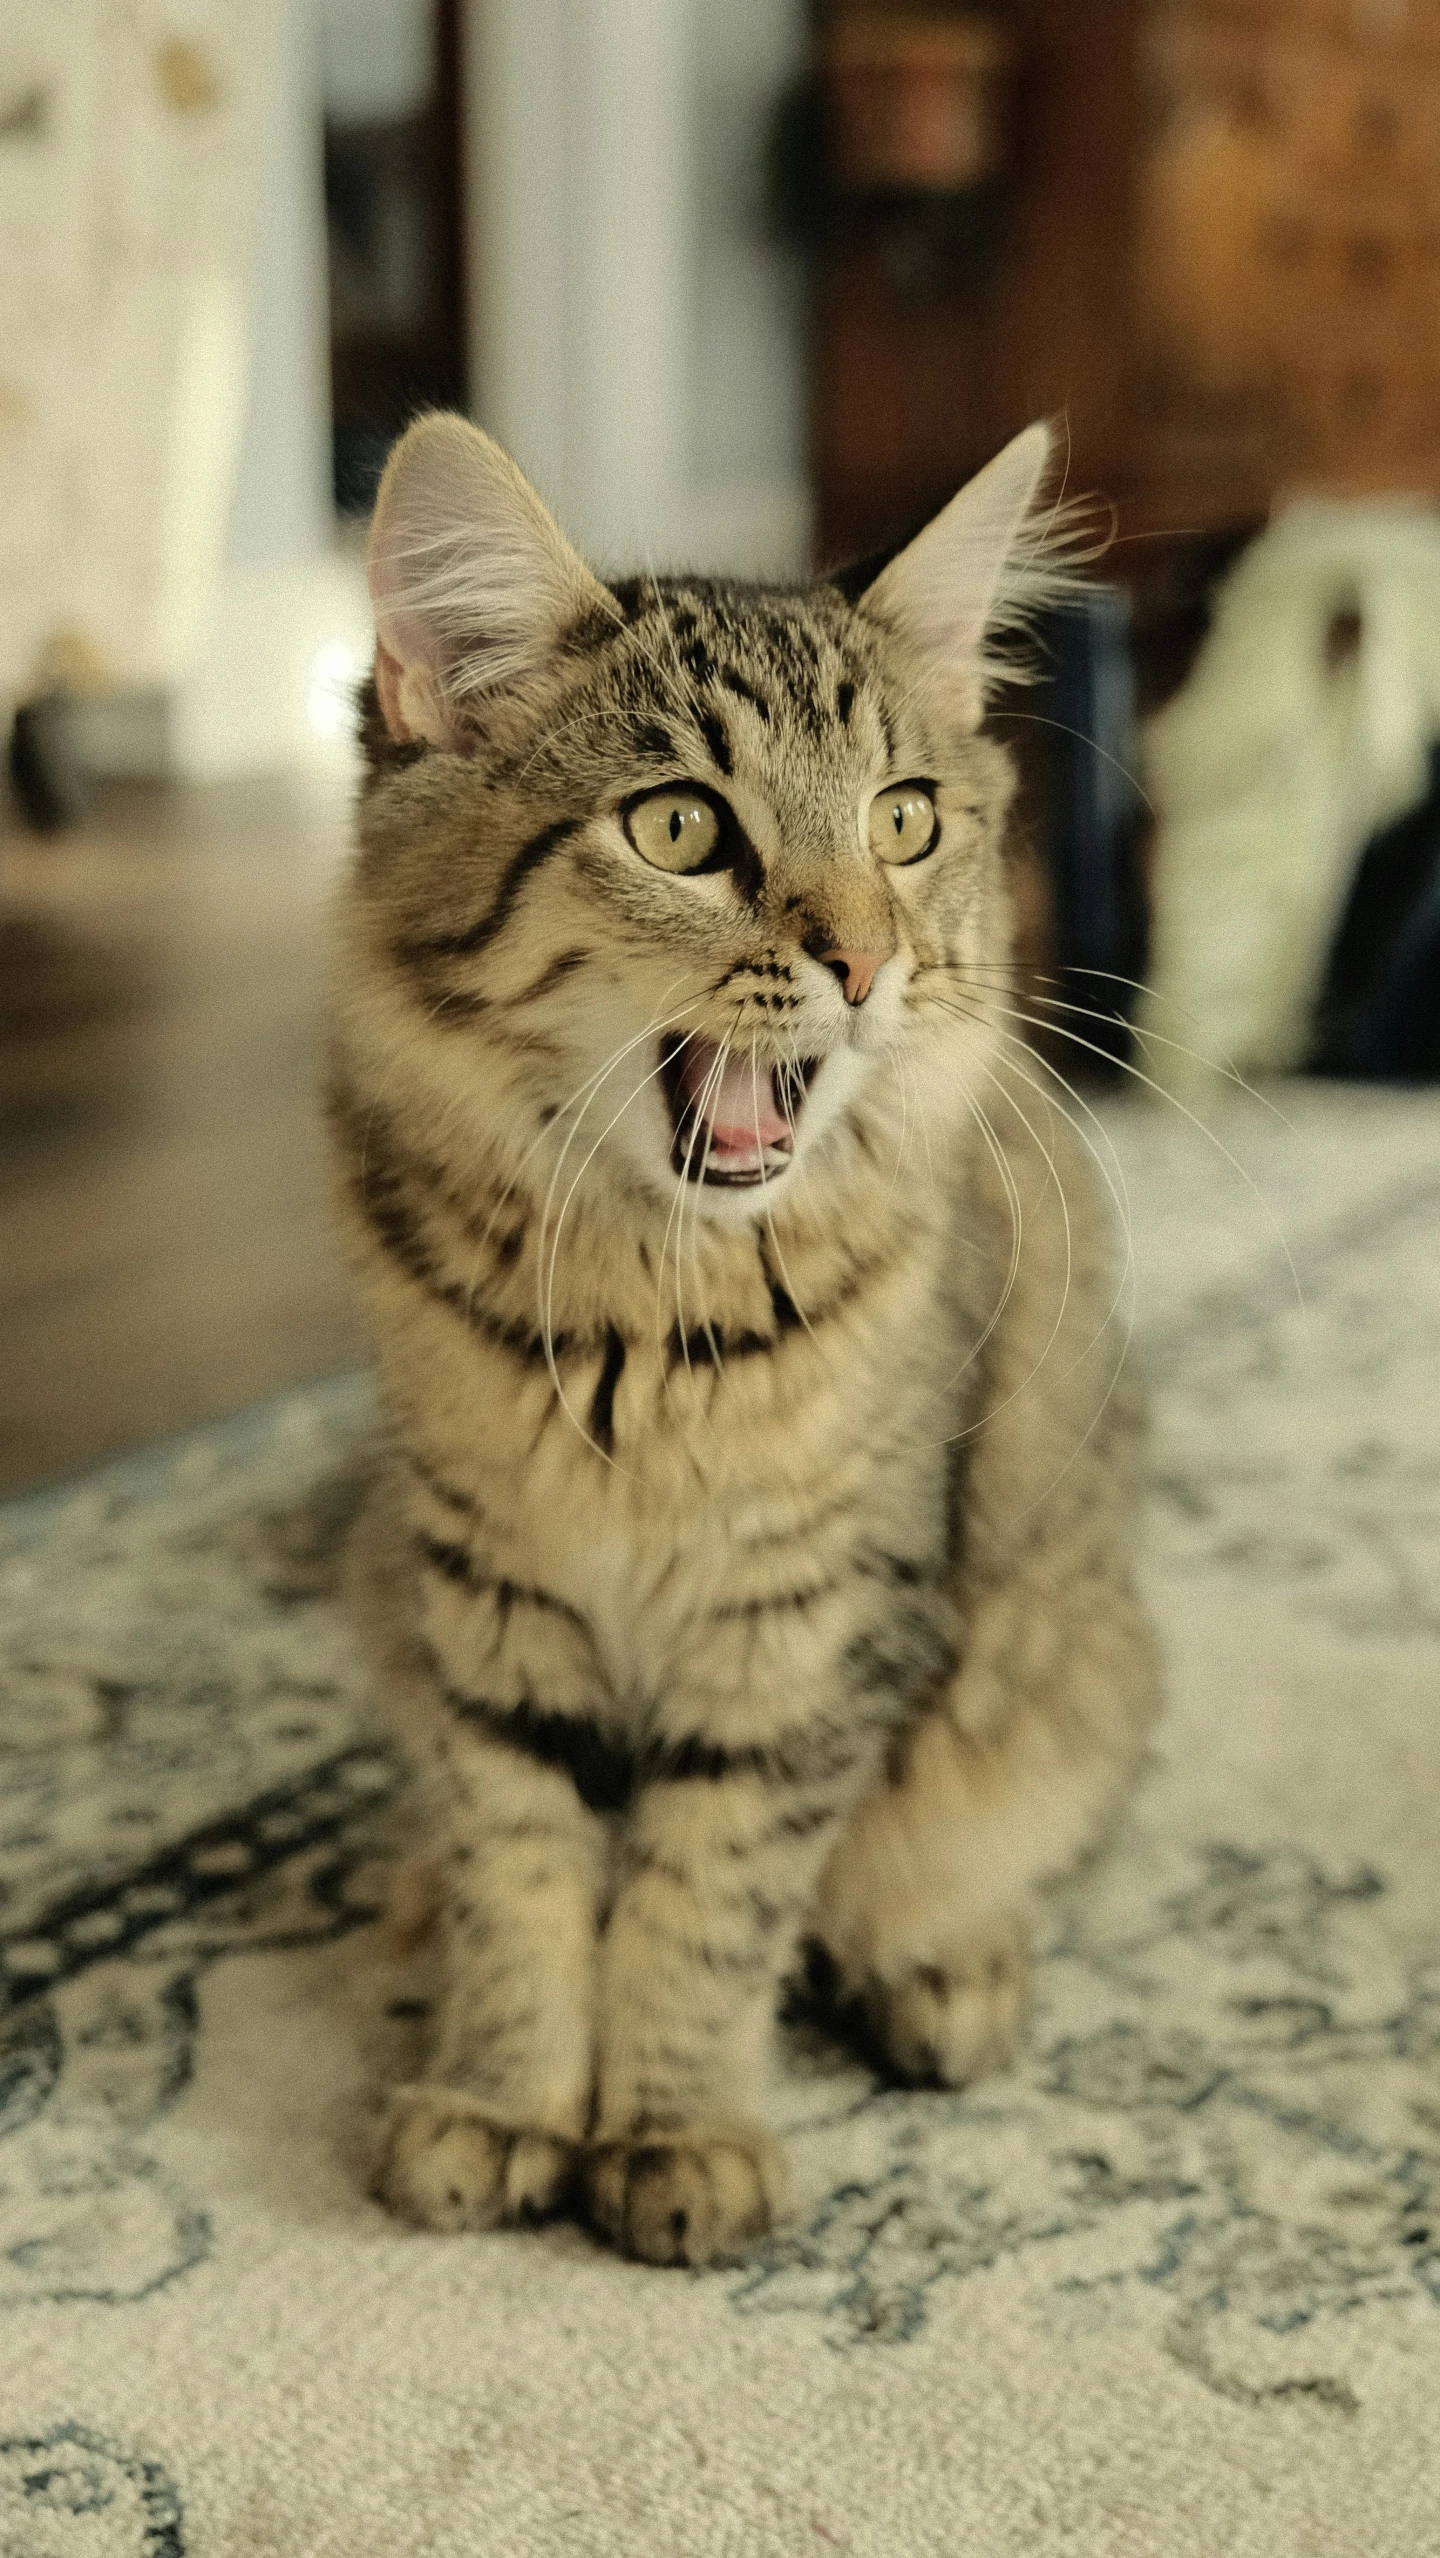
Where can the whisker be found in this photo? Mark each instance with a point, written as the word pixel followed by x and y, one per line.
pixel 677 1210
pixel 958 971
pixel 1003 973
pixel 1039 719
pixel 800 1166
pixel 1101 1329
pixel 770 1213
pixel 897 1061
pixel 1052 1175
pixel 591 1084
pixel 1122 1206
pixel 547 1325
pixel 1120 1197
pixel 1223 1068
pixel 701 1119
pixel 1061 1032
pixel 1017 1229
pixel 545 1275
pixel 696 1188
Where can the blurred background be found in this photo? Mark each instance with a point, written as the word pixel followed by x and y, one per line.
pixel 751 287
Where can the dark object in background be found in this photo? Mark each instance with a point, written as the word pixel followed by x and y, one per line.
pixel 1378 1017
pixel 48 782
pixel 1095 815
pixel 397 317
pixel 914 104
pixel 898 141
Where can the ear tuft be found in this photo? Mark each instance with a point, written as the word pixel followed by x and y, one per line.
pixel 985 565
pixel 472 581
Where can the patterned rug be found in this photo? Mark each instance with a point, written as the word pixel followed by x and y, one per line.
pixel 1174 2285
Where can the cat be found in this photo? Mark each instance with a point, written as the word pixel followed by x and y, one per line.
pixel 750 1567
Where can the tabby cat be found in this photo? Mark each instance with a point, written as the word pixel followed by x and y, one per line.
pixel 751 1566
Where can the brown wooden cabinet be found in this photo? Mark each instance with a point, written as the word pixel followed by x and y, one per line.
pixel 1215 250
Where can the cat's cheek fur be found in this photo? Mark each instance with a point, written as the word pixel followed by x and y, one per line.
pixel 745 1566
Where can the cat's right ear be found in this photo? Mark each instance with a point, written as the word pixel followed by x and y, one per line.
pixel 983 565
pixel 473 583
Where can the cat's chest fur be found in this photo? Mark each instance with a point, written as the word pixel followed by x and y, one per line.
pixel 728 1488
pixel 745 1478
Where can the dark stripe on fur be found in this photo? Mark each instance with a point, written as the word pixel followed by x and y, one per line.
pixel 734 682
pixel 788 1317
pixel 602 1410
pixel 449 1494
pixel 898 1569
pixel 904 1659
pixel 554 974
pixel 458 1564
pixel 395 1216
pixel 608 1770
pixel 712 729
pixel 593 630
pixel 710 1346
pixel 601 1768
pixel 383 753
pixel 804 1821
pixel 473 937
pixel 774 1603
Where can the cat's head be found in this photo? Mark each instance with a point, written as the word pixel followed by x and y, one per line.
pixel 693 872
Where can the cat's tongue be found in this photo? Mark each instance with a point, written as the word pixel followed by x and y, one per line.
pixel 737 1105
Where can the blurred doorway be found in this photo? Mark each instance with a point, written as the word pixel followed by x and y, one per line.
pixel 392 95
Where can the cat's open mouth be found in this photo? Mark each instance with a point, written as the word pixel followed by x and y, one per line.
pixel 734 1117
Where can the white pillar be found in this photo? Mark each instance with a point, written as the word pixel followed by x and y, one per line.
pixel 594 337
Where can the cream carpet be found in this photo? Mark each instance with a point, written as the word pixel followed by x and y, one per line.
pixel 1174 2286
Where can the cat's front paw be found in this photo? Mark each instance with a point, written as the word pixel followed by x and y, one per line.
pixel 697 2196
pixel 448 2165
pixel 957 2016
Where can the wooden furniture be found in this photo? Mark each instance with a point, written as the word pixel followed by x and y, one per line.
pixel 1214 249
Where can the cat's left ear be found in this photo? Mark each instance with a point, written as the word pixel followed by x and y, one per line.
pixel 974 569
pixel 472 581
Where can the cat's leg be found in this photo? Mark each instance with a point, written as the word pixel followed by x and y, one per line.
pixel 512 1872
pixel 716 1877
pixel 492 2134
pixel 926 1906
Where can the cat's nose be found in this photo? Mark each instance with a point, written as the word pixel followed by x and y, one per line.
pixel 857 970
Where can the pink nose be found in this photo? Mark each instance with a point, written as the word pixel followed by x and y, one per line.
pixel 857 970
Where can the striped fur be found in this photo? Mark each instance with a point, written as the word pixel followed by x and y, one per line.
pixel 748 1566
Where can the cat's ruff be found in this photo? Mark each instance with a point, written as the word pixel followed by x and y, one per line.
pixel 753 1552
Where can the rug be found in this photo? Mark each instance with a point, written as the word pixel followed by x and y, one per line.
pixel 1172 2285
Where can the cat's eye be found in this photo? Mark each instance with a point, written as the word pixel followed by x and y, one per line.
pixel 903 823
pixel 674 829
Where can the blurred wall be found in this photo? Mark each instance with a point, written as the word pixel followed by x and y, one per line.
pixel 286 595
pixel 129 142
pixel 635 334
pixel 280 506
